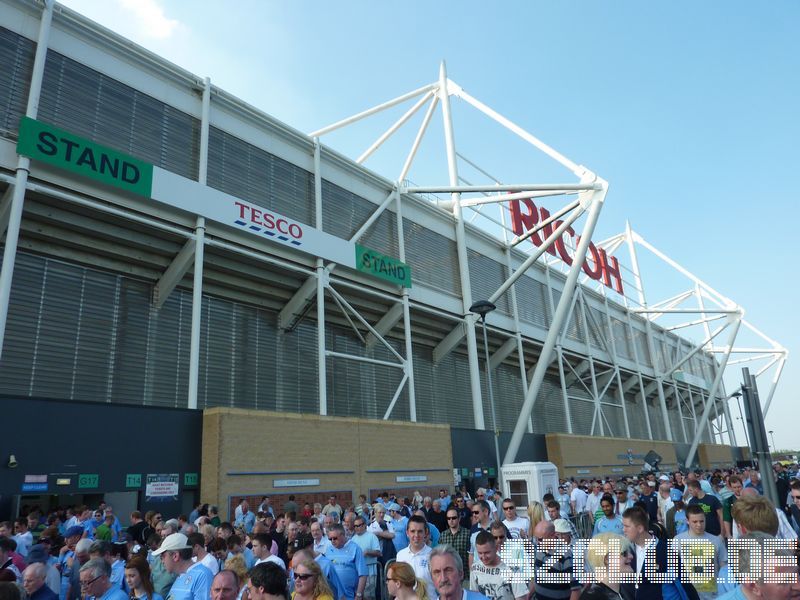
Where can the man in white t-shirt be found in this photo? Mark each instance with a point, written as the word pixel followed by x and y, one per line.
pixel 262 543
pixel 593 499
pixel 417 554
pixel 489 575
pixel 577 499
pixel 699 549
pixel 517 526
pixel 200 555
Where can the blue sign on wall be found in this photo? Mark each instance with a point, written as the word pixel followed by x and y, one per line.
pixel 34 487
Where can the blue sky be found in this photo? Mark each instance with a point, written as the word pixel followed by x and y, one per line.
pixel 688 109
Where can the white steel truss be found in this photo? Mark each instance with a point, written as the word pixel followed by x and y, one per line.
pixel 606 385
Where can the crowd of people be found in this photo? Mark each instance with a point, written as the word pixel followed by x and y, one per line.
pixel 457 546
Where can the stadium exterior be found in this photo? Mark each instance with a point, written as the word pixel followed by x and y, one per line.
pixel 261 270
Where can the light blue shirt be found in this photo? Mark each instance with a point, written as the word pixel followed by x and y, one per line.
pixel 604 525
pixel 434 534
pixel 348 562
pixel 194 584
pixel 400 540
pixel 114 593
pixel 246 520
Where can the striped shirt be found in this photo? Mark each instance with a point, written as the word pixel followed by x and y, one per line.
pixel 554 578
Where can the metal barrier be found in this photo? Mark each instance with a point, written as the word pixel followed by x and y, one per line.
pixel 380 583
pixel 583 525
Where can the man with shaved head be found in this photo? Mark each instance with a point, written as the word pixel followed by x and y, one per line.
pixel 553 556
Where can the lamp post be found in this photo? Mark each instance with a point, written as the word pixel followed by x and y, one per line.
pixel 482 308
pixel 772 437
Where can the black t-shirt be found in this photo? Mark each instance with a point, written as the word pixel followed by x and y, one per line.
pixel 710 506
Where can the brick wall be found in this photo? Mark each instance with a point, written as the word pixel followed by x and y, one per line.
pixel 714 455
pixel 245 452
pixel 585 456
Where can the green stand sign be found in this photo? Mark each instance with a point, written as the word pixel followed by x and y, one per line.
pixel 48 144
pixel 133 480
pixel 190 479
pixel 382 266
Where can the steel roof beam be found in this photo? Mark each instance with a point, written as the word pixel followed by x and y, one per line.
pixel 502 353
pixel 174 273
pixel 385 324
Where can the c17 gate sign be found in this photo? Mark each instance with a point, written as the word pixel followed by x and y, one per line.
pixel 48 144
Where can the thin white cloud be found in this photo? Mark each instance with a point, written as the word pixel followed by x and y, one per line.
pixel 150 18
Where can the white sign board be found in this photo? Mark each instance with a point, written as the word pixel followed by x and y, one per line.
pixel 294 482
pixel 410 478
pixel 161 486
pixel 256 220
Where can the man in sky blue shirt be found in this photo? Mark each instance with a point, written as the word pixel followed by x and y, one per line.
pixel 246 519
pixel 96 583
pixel 399 522
pixel 348 562
pixel 609 521
pixel 193 579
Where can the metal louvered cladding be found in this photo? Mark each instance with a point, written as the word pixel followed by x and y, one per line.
pixel 16 56
pixel 642 348
pixel 432 258
pixel 656 421
pixel 344 212
pixel 486 276
pixel 636 419
pixel 621 338
pixel 245 171
pixel 548 410
pixel 508 396
pixel 675 423
pixel 582 413
pixel 83 334
pixel 95 106
pixel 598 329
pixel 532 301
pixel 442 391
pixel 359 389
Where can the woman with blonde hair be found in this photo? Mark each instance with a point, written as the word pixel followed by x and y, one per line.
pixel 606 566
pixel 309 583
pixel 238 565
pixel 403 584
pixel 535 516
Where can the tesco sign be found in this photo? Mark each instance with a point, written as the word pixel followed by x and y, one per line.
pixel 598 265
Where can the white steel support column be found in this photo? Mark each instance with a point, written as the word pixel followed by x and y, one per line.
pixel 731 434
pixel 515 314
pixel 598 408
pixel 775 379
pixel 517 332
pixel 23 168
pixel 463 262
pixel 199 253
pixel 564 395
pixel 678 401
pixel 595 200
pixel 615 359
pixel 713 391
pixel 662 401
pixel 409 364
pixel 322 280
pixel 729 421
